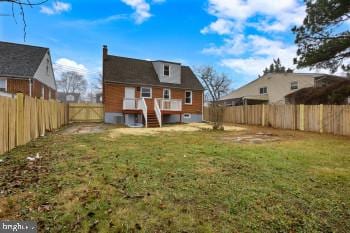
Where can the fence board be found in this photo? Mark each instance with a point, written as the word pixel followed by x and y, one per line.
pixel 25 118
pixel 333 119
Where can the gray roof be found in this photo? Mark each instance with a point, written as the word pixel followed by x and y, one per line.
pixel 18 60
pixel 135 71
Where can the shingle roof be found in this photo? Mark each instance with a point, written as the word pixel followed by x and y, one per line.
pixel 18 60
pixel 134 71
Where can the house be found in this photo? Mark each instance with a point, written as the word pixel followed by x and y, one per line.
pixel 337 92
pixel 68 97
pixel 26 69
pixel 272 88
pixel 151 93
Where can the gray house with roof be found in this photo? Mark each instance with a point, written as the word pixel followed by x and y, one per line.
pixel 272 88
pixel 26 69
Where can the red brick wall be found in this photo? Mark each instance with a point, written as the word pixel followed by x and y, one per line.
pixel 114 94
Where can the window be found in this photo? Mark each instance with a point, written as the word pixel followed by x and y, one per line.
pixel 188 97
pixel 166 94
pixel 166 70
pixel 263 90
pixel 187 116
pixel 43 92
pixel 146 92
pixel 294 85
pixel 3 85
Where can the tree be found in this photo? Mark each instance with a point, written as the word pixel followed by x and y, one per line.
pixel 72 82
pixel 324 38
pixel 21 4
pixel 276 67
pixel 215 86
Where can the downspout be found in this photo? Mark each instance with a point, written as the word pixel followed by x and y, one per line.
pixel 30 87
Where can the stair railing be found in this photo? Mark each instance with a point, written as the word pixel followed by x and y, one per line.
pixel 158 112
pixel 143 106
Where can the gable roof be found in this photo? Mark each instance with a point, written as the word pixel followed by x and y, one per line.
pixel 141 72
pixel 18 60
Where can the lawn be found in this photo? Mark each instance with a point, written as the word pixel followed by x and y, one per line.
pixel 201 181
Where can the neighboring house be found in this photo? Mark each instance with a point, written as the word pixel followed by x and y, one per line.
pixel 139 91
pixel 68 97
pixel 26 69
pixel 273 87
pixel 337 92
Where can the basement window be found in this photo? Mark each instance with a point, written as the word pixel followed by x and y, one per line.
pixel 3 85
pixel 294 85
pixel 187 116
pixel 166 70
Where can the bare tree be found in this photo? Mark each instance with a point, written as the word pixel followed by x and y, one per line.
pixel 21 4
pixel 215 86
pixel 72 82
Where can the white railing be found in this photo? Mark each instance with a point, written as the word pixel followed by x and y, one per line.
pixel 143 106
pixel 170 105
pixel 158 112
pixel 131 104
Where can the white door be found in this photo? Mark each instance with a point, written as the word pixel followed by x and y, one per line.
pixel 129 92
pixel 129 98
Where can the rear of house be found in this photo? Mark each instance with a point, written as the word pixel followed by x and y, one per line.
pixel 150 93
pixel 26 69
pixel 272 88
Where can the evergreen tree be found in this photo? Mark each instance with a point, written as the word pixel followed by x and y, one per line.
pixel 277 67
pixel 324 38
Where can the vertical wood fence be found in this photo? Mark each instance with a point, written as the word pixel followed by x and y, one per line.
pixel 333 119
pixel 24 118
pixel 80 112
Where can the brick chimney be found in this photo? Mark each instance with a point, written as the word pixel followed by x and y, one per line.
pixel 105 52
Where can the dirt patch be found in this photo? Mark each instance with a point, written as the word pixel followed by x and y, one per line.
pixel 85 128
pixel 258 138
pixel 192 127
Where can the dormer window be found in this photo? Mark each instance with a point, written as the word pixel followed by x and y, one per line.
pixel 166 70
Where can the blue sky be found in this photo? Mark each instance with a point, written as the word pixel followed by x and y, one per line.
pixel 238 37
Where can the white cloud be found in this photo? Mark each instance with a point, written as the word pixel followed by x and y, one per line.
pixel 233 46
pixel 142 10
pixel 220 26
pixel 262 51
pixel 270 15
pixel 56 8
pixel 65 64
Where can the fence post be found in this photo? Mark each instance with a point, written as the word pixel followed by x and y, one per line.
pixel 263 115
pixel 19 118
pixel 302 111
pixel 321 118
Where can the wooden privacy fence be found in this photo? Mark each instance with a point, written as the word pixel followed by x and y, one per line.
pixel 315 118
pixel 24 118
pixel 79 112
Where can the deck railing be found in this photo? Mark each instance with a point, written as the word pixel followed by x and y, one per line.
pixel 131 104
pixel 170 104
pixel 158 112
pixel 143 106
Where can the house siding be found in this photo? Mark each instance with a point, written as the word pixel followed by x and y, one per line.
pixel 22 86
pixel 114 95
pixel 18 86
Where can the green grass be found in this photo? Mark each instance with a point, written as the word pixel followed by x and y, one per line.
pixel 179 182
